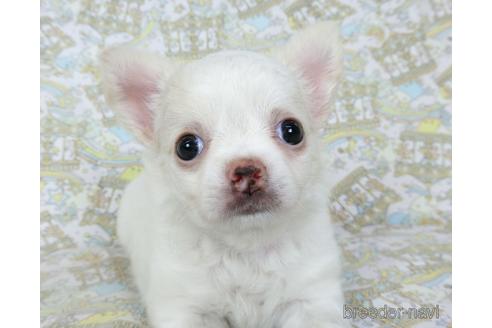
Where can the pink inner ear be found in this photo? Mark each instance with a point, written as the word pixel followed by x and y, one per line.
pixel 316 70
pixel 138 88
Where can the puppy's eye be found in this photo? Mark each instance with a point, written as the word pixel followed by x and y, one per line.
pixel 188 147
pixel 290 131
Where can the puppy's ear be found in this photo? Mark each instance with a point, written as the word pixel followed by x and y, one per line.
pixel 132 80
pixel 315 54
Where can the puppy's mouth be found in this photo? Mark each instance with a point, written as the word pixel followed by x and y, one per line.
pixel 259 201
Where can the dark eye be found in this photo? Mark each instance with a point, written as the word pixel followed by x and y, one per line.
pixel 188 147
pixel 290 131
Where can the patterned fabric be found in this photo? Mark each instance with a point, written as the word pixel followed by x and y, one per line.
pixel 389 140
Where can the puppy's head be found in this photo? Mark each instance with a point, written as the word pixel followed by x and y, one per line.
pixel 235 134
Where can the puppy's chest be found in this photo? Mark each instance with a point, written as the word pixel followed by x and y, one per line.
pixel 248 291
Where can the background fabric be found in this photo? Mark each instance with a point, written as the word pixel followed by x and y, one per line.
pixel 389 140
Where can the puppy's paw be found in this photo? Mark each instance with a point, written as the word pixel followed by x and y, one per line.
pixel 190 320
pixel 300 314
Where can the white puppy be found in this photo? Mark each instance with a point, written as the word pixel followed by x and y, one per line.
pixel 228 224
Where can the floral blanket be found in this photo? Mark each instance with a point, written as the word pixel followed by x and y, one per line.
pixel 389 141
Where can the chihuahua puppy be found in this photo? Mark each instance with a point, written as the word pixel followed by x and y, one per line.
pixel 228 224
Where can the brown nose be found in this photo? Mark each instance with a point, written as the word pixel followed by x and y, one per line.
pixel 247 176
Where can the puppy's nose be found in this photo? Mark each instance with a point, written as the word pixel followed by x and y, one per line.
pixel 247 176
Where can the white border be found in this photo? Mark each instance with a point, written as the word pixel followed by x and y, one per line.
pixel 19 135
pixel 472 163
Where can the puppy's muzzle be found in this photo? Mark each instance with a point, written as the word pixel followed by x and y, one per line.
pixel 250 192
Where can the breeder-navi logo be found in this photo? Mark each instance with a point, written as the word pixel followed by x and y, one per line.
pixel 388 312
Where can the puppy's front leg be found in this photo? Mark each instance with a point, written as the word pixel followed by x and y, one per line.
pixel 313 314
pixel 188 320
pixel 161 316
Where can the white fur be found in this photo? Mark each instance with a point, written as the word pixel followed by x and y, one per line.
pixel 194 265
